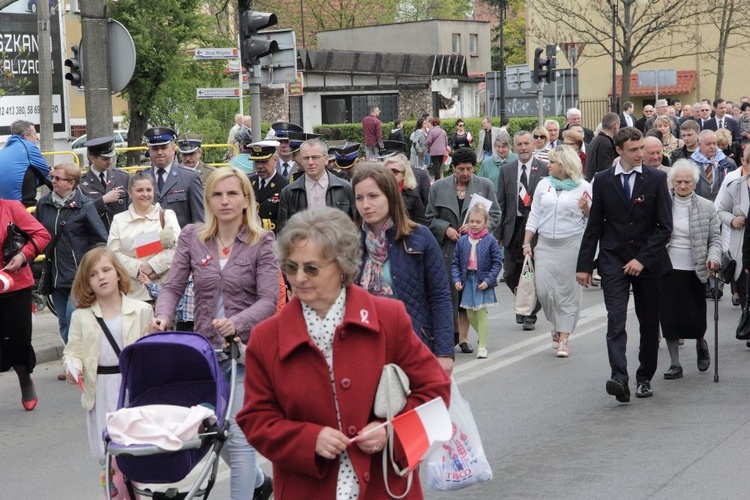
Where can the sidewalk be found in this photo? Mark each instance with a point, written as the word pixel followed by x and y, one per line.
pixel 45 338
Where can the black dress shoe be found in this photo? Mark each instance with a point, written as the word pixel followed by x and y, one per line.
pixel 519 319
pixel 466 348
pixel 455 339
pixel 674 372
pixel 619 390
pixel 704 358
pixel 643 390
pixel 528 325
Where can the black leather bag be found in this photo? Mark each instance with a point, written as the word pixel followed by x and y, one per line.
pixel 728 267
pixel 743 327
pixel 44 284
pixel 15 239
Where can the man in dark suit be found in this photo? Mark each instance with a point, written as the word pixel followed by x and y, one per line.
pixel 573 117
pixel 601 152
pixel 631 221
pixel 189 146
pixel 626 117
pixel 267 182
pixel 177 188
pixel 105 185
pixel 722 120
pixel 705 119
pixel 285 164
pixel 648 112
pixel 515 187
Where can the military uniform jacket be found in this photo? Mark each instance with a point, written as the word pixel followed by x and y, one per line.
pixel 267 200
pixel 91 187
pixel 182 193
pixel 203 170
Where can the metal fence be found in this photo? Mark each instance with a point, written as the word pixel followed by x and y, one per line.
pixel 592 111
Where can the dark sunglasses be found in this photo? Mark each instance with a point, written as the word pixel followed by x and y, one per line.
pixel 539 137
pixel 396 171
pixel 291 269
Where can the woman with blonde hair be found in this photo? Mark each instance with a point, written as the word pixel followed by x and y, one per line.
pixel 664 125
pixel 574 139
pixel 541 138
pixel 407 185
pixel 559 212
pixel 236 283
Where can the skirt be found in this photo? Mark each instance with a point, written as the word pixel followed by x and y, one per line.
pixel 474 298
pixel 682 306
pixel 15 331
pixel 107 395
pixel 557 290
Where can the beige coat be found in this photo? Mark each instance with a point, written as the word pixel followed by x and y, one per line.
pixel 125 227
pixel 82 350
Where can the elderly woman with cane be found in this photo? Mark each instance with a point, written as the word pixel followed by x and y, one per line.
pixel 695 252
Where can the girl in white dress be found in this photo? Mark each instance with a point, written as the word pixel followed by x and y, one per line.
pixel 91 356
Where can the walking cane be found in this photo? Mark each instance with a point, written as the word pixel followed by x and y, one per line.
pixel 716 331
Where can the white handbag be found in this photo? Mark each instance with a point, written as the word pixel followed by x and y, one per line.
pixel 525 299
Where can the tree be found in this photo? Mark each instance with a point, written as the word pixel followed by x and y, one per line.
pixel 514 31
pixel 646 31
pixel 422 10
pixel 731 18
pixel 162 36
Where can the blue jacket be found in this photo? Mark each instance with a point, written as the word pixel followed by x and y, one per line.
pixel 16 158
pixel 83 230
pixel 489 260
pixel 419 282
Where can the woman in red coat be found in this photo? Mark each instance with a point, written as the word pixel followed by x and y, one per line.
pixel 313 369
pixel 16 281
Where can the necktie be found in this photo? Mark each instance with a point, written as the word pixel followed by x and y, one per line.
pixel 721 123
pixel 285 172
pixel 103 179
pixel 262 185
pixel 525 183
pixel 710 173
pixel 160 180
pixel 626 185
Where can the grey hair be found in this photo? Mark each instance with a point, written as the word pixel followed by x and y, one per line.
pixel 502 138
pixel 683 165
pixel 573 111
pixel 21 127
pixel 316 142
pixel 661 102
pixel 704 133
pixel 336 234
pixel 548 122
pixel 520 133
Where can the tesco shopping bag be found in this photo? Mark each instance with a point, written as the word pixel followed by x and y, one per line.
pixel 460 462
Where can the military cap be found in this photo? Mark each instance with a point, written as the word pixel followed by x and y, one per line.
pixel 391 148
pixel 262 150
pixel 282 129
pixel 297 138
pixel 345 156
pixel 189 143
pixel 159 136
pixel 102 146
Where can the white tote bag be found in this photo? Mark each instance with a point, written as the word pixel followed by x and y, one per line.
pixel 525 300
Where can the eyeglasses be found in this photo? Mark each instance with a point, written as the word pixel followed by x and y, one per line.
pixel 460 125
pixel 396 171
pixel 569 144
pixel 57 179
pixel 312 157
pixel 540 137
pixel 291 268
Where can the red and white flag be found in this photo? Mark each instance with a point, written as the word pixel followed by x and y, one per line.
pixel 6 282
pixel 419 428
pixel 147 244
pixel 524 195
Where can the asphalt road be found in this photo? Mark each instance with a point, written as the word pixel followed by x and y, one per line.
pixel 547 425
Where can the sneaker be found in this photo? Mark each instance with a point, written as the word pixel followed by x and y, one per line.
pixel 481 353
pixel 563 350
pixel 555 340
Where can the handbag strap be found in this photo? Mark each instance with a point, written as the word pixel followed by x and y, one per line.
pixel 18 228
pixel 108 334
pixel 388 456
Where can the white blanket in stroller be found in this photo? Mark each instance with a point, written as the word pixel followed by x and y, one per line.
pixel 164 426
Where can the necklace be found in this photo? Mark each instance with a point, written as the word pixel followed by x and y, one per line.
pixel 225 249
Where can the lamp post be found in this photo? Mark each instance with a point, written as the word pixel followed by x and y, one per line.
pixel 503 5
pixel 613 103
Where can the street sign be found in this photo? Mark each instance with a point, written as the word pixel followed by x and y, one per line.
pixel 281 65
pixel 234 66
pixel 217 93
pixel 657 78
pixel 572 51
pixel 518 76
pixel 217 53
pixel 121 56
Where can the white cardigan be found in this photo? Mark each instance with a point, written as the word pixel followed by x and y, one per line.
pixel 125 227
pixel 82 350
pixel 557 215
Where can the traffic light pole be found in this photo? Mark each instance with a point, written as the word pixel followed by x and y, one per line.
pixel 46 115
pixel 540 102
pixel 95 68
pixel 255 115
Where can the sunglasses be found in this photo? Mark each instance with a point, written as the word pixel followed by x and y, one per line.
pixel 58 179
pixel 396 171
pixel 539 137
pixel 291 269
pixel 460 125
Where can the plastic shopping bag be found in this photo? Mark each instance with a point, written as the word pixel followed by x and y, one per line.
pixel 460 462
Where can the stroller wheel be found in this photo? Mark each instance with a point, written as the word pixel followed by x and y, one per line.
pixel 38 301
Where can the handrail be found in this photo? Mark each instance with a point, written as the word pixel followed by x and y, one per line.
pixel 71 153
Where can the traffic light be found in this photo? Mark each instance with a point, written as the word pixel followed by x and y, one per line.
pixel 75 74
pixel 539 73
pixel 252 47
pixel 551 63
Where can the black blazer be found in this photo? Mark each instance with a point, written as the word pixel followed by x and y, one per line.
pixel 638 230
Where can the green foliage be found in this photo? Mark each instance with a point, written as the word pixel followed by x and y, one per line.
pixel 514 43
pixel 421 10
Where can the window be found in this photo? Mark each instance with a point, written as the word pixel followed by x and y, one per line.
pixel 473 44
pixel 353 107
pixel 456 43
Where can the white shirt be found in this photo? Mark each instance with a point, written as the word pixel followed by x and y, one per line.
pixel 556 214
pixel 631 181
pixel 316 191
